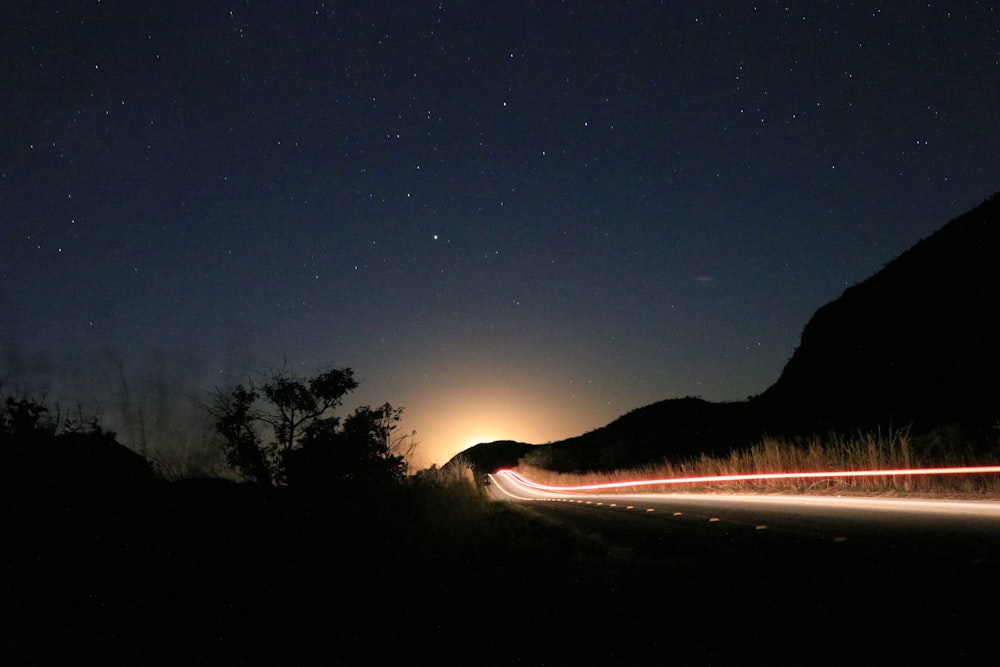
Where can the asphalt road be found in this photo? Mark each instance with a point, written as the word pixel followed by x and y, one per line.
pixel 966 529
pixel 798 580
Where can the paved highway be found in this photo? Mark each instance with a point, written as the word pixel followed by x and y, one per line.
pixel 889 522
pixel 956 535
pixel 787 579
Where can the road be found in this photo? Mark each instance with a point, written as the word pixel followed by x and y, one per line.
pixel 794 579
pixel 890 523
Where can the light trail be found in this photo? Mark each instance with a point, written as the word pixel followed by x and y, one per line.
pixel 896 472
pixel 508 493
pixel 517 487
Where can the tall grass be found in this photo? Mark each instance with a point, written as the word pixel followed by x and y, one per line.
pixel 452 521
pixel 866 451
pixel 448 499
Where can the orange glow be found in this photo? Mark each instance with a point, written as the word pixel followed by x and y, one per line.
pixel 460 413
pixel 457 396
pixel 967 470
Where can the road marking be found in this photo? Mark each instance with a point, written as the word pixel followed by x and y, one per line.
pixel 760 526
pixel 713 519
pixel 677 514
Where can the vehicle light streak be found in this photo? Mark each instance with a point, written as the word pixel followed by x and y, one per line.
pixel 512 495
pixel 896 472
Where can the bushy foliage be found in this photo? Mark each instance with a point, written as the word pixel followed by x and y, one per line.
pixel 43 448
pixel 365 449
pixel 25 420
pixel 282 429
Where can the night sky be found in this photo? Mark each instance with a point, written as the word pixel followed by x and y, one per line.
pixel 515 219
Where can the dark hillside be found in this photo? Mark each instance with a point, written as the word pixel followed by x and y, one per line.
pixel 675 429
pixel 487 457
pixel 914 344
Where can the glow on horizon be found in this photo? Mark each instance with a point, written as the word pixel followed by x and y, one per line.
pixel 893 472
pixel 459 417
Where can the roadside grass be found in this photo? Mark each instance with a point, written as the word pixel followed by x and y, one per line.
pixel 451 513
pixel 865 451
pixel 444 513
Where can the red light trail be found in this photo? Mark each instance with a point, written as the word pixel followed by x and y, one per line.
pixel 896 472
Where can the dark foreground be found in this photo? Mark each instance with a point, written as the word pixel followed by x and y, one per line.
pixel 215 573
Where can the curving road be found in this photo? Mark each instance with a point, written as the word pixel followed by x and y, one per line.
pixel 717 579
pixel 969 530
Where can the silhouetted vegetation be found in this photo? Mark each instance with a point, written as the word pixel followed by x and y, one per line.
pixel 63 450
pixel 104 563
pixel 282 429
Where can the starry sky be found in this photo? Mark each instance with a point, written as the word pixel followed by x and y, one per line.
pixel 515 219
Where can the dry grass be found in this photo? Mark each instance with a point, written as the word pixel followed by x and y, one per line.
pixel 867 451
pixel 446 506
pixel 454 522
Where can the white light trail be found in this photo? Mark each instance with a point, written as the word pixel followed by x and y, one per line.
pixel 895 472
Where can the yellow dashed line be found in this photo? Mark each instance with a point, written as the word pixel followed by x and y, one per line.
pixel 760 526
pixel 713 519
pixel 649 509
pixel 677 513
pixel 630 507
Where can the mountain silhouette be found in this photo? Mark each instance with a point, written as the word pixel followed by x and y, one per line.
pixel 913 346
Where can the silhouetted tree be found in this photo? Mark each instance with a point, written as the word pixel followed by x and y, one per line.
pixel 366 449
pixel 282 429
pixel 237 423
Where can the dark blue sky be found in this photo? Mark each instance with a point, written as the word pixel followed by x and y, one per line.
pixel 516 219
